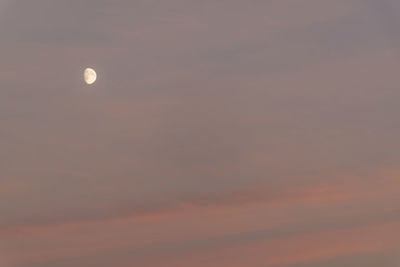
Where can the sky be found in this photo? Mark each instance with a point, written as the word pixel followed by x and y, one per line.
pixel 218 133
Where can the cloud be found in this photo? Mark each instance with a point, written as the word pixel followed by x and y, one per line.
pixel 214 127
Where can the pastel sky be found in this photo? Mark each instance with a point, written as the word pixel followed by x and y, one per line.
pixel 257 133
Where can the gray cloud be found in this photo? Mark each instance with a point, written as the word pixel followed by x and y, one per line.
pixel 195 100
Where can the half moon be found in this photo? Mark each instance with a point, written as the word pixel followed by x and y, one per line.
pixel 89 76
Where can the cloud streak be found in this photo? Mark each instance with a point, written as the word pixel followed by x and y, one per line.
pixel 263 130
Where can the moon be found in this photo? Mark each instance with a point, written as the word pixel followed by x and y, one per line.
pixel 89 76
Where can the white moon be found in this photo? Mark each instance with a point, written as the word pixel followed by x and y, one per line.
pixel 89 76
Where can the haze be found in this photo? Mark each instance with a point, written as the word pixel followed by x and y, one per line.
pixel 221 133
